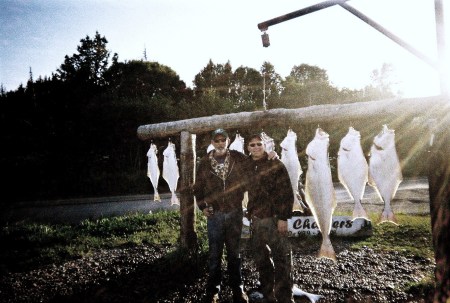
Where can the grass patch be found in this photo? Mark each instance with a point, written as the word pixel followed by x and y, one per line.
pixel 29 245
pixel 412 236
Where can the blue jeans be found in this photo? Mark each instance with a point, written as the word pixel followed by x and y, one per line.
pixel 224 229
pixel 273 259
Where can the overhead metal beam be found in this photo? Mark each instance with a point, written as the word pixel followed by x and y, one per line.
pixel 263 26
pixel 390 35
pixel 441 47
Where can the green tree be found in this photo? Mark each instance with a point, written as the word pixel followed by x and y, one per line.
pixel 307 85
pixel 214 78
pixel 272 85
pixel 139 78
pixel 382 83
pixel 88 66
pixel 247 89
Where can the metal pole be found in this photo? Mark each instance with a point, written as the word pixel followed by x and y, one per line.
pixel 263 26
pixel 441 47
pixel 388 34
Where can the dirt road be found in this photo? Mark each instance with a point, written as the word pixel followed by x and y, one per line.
pixel 412 197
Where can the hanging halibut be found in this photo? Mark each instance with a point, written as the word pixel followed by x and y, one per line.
pixel 153 170
pixel 319 189
pixel 210 148
pixel 268 142
pixel 238 144
pixel 384 170
pixel 297 292
pixel 170 171
pixel 353 169
pixel 290 159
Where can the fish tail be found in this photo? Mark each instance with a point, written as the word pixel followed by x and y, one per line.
pixel 388 216
pixel 297 205
pixel 174 199
pixel 327 251
pixel 358 211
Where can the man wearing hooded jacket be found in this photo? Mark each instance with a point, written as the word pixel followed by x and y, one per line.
pixel 270 201
pixel 219 190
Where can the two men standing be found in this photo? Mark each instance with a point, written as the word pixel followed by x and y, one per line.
pixel 222 179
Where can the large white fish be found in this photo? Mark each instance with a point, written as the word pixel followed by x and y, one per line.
pixel 153 170
pixel 353 169
pixel 384 170
pixel 210 148
pixel 290 159
pixel 299 293
pixel 319 189
pixel 269 143
pixel 170 171
pixel 238 144
pixel 296 292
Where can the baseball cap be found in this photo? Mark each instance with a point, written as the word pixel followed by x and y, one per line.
pixel 219 131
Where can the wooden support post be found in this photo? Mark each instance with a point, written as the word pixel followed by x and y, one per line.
pixel 188 234
pixel 439 189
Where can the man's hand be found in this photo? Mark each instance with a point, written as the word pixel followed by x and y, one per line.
pixel 207 212
pixel 282 227
pixel 272 155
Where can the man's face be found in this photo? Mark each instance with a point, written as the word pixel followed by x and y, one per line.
pixel 220 144
pixel 256 148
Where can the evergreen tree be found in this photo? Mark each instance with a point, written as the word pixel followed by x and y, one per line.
pixel 88 66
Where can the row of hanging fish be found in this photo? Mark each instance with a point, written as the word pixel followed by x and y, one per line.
pixel 383 172
pixel 170 170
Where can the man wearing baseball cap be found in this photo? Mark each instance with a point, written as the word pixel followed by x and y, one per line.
pixel 219 190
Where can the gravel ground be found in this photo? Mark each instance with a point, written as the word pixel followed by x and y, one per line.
pixel 138 274
pixel 141 274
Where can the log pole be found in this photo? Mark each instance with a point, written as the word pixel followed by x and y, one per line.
pixel 188 234
pixel 394 108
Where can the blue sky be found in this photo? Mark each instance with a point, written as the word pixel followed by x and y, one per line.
pixel 184 35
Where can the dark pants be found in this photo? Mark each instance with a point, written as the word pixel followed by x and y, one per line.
pixel 224 229
pixel 272 254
